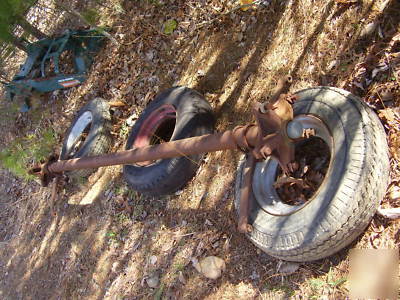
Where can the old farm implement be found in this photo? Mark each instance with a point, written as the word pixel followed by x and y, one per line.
pixel 166 144
pixel 42 71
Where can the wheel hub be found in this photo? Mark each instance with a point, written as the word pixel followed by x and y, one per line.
pixel 265 172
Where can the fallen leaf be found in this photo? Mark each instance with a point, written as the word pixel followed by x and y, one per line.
pixel 153 259
pixel 395 193
pixel 346 1
pixel 245 2
pixel 387 114
pixel 117 103
pixel 153 281
pixel 283 180
pixel 169 26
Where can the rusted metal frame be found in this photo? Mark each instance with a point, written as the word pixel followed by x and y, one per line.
pixel 268 137
pixel 245 193
pixel 186 147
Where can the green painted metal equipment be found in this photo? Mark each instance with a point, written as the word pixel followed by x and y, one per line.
pixel 82 44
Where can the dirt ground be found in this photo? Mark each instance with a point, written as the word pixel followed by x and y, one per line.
pixel 88 245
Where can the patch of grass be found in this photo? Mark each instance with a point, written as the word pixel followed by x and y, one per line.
pixel 318 285
pixel 122 217
pixel 179 267
pixel 119 190
pixel 182 242
pixel 132 194
pixel 284 289
pixel 91 15
pixel 158 294
pixel 124 131
pixel 27 150
pixel 112 237
pixel 9 111
pixel 335 282
pixel 118 7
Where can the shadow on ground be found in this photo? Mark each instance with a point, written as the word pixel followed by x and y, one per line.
pixel 99 250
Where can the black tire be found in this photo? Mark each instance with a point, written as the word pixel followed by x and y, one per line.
pixel 346 201
pixel 98 138
pixel 194 117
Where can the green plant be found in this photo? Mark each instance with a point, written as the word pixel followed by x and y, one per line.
pixel 119 190
pixel 124 130
pixel 179 267
pixel 112 237
pixel 280 289
pixel 27 150
pixel 90 15
pixel 122 217
pixel 159 292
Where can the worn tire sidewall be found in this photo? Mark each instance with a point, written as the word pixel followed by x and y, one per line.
pixel 98 140
pixel 193 118
pixel 341 197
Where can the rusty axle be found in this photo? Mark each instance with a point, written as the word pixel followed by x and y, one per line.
pixel 268 137
pixel 186 147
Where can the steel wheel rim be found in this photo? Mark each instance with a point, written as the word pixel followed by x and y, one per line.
pixel 147 134
pixel 82 125
pixel 265 172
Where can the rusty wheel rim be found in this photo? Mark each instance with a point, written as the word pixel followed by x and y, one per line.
pixel 158 128
pixel 265 172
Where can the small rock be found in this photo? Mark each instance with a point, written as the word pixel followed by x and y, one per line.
pixel 131 120
pixel 311 69
pixel 390 213
pixel 153 259
pixel 153 281
pixel 287 268
pixel 210 266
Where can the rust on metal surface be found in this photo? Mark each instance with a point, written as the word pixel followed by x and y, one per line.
pixel 273 139
pixel 184 147
pixel 245 192
pixel 268 137
pixel 42 171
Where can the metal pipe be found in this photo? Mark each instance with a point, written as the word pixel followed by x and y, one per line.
pixel 186 147
pixel 245 193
